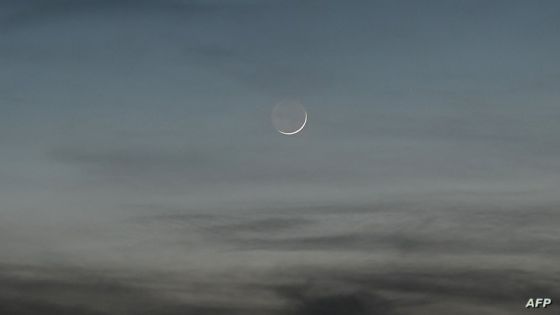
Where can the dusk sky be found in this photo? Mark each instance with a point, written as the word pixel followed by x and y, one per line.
pixel 140 171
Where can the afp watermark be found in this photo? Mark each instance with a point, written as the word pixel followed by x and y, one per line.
pixel 538 303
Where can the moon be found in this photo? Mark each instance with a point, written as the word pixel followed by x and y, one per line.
pixel 289 117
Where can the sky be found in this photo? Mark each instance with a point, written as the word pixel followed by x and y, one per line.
pixel 140 172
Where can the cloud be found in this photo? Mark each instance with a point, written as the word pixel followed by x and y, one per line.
pixel 293 291
pixel 415 291
pixel 267 225
pixel 351 304
pixel 403 228
pixel 64 290
pixel 30 307
pixel 162 108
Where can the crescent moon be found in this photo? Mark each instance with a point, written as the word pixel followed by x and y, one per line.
pixel 298 130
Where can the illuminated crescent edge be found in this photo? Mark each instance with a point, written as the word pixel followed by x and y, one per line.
pixel 298 130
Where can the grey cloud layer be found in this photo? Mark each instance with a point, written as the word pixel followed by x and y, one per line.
pixel 468 230
pixel 294 292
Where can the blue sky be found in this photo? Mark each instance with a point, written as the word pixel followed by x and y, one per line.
pixel 137 136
